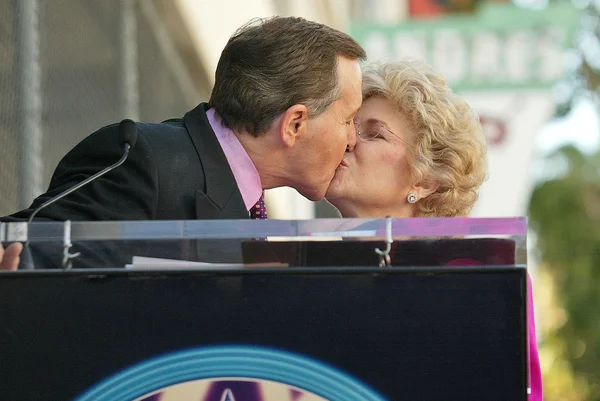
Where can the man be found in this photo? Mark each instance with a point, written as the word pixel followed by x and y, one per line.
pixel 280 114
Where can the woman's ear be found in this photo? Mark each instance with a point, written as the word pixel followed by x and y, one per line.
pixel 424 189
pixel 293 124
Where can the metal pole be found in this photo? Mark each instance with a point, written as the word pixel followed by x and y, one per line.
pixel 130 96
pixel 31 168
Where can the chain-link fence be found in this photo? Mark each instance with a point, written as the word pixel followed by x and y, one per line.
pixel 70 67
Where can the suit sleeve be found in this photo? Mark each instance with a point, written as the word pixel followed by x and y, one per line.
pixel 129 192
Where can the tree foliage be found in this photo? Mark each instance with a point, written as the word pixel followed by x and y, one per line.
pixel 565 214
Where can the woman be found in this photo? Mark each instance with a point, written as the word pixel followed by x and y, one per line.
pixel 420 153
pixel 411 120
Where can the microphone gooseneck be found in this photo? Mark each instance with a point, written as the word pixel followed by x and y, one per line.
pixel 127 138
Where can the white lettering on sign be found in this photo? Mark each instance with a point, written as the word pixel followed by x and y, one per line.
pixel 478 58
pixel 450 55
pixel 377 46
pixel 485 58
pixel 518 56
pixel 411 44
pixel 550 55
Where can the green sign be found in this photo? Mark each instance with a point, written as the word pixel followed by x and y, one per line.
pixel 500 47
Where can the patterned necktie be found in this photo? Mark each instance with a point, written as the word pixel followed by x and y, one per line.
pixel 259 211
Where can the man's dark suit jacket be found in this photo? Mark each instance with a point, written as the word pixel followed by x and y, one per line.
pixel 176 171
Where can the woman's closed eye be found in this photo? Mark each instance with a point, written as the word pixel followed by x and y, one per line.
pixel 369 130
pixel 370 135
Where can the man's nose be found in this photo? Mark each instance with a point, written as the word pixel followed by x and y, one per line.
pixel 351 139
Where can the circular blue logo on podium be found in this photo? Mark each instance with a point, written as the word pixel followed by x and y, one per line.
pixel 231 373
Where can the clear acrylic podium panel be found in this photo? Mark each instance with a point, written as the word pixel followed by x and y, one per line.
pixel 421 331
pixel 237 243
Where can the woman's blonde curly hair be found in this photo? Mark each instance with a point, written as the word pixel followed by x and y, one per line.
pixel 447 143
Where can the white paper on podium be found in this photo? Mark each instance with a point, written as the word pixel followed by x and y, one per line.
pixel 143 262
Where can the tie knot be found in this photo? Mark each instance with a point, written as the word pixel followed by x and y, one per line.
pixel 259 211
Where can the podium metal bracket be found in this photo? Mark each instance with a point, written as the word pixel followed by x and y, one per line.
pixel 384 256
pixel 67 261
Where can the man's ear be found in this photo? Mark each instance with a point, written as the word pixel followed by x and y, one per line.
pixel 293 124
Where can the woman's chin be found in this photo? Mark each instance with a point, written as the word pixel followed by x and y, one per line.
pixel 339 186
pixel 334 193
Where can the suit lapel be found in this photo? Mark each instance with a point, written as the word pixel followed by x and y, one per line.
pixel 206 209
pixel 222 199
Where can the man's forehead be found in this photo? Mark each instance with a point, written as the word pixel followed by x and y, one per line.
pixel 354 94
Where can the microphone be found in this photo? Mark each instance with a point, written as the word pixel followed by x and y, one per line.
pixel 127 138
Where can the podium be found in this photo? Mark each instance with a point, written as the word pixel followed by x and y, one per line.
pixel 328 309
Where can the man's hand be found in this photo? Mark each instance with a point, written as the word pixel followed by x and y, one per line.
pixel 10 257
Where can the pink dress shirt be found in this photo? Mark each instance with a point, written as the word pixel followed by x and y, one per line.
pixel 242 167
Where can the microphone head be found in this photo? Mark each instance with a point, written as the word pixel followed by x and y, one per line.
pixel 127 133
